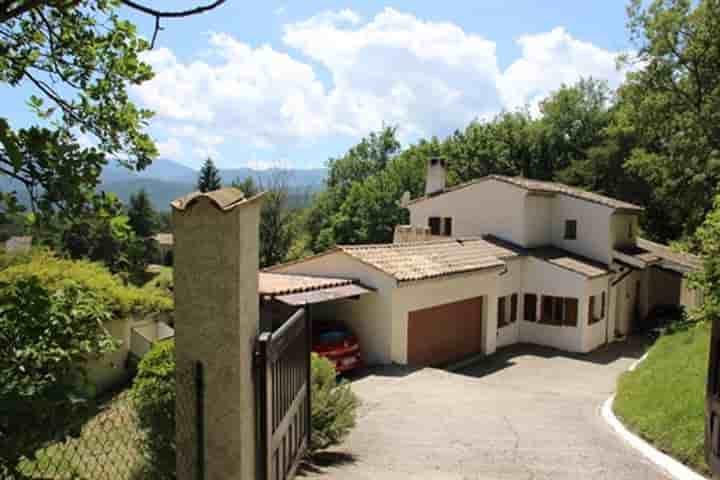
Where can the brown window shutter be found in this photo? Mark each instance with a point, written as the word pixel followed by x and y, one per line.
pixel 559 308
pixel 602 307
pixel 571 312
pixel 434 224
pixel 591 310
pixel 501 312
pixel 448 226
pixel 530 307
pixel 546 316
pixel 513 308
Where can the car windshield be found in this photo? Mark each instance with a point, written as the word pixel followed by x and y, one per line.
pixel 333 334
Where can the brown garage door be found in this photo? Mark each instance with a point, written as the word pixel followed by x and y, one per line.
pixel 444 333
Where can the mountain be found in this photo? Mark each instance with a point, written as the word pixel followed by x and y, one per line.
pixel 161 168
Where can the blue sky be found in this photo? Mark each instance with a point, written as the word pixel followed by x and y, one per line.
pixel 264 84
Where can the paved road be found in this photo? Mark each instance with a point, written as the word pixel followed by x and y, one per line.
pixel 525 413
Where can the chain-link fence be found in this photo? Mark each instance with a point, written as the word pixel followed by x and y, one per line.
pixel 111 441
pixel 105 443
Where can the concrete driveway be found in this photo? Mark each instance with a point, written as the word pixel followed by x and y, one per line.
pixel 525 413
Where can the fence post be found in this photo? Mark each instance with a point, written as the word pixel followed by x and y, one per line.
pixel 216 324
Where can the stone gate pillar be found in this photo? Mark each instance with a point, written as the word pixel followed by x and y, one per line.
pixel 216 323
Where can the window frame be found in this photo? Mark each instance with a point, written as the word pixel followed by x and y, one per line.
pixel 571 228
pixel 435 222
pixel 555 311
pixel 447 226
pixel 530 307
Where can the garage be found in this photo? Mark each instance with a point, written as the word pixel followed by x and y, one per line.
pixel 444 333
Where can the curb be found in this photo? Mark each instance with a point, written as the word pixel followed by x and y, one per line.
pixel 666 463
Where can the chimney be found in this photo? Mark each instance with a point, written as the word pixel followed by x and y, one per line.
pixel 435 181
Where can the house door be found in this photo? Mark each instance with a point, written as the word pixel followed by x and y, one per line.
pixel 445 333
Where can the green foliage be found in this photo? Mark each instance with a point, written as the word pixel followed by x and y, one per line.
pixel 46 336
pixel 56 273
pixel 153 397
pixel 663 399
pixel 79 62
pixel 708 279
pixel 209 178
pixel 247 186
pixel 141 215
pixel 672 105
pixel 333 405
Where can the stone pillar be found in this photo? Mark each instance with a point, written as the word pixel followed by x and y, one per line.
pixel 216 323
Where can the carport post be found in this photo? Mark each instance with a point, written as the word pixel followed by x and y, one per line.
pixel 216 325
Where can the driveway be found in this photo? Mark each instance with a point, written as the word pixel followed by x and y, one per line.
pixel 525 413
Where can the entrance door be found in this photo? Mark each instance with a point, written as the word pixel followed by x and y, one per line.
pixel 445 333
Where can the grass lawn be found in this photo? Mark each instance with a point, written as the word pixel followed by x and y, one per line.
pixel 663 399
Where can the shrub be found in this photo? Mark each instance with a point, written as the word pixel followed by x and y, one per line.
pixel 54 273
pixel 46 337
pixel 153 397
pixel 333 405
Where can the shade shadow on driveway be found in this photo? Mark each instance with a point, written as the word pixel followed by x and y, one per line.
pixel 526 412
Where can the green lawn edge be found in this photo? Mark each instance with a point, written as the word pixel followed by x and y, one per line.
pixel 663 399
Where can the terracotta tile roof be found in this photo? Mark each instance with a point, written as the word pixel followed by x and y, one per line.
pixel 687 260
pixel 556 256
pixel 569 261
pixel 281 284
pixel 422 260
pixel 224 199
pixel 542 187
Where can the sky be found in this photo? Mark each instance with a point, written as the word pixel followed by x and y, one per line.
pixel 290 84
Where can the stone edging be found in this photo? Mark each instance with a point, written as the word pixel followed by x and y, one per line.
pixel 666 463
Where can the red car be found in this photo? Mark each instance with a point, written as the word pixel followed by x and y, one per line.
pixel 338 344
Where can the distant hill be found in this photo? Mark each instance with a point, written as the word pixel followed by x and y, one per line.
pixel 166 180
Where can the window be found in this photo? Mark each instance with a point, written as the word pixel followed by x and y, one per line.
pixel 631 230
pixel 570 229
pixel 434 224
pixel 530 307
pixel 447 231
pixel 559 311
pixel 507 310
pixel 596 308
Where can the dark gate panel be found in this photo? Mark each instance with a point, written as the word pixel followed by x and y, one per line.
pixel 283 383
pixel 712 403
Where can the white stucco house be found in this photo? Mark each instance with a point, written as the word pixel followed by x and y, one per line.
pixel 496 261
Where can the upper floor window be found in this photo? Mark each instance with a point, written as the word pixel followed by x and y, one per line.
pixel 434 224
pixel 447 224
pixel 570 229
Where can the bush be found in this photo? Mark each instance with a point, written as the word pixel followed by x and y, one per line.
pixel 46 337
pixel 153 397
pixel 54 273
pixel 333 405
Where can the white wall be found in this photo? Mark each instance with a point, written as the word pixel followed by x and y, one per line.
pixel 429 293
pixel 543 278
pixel 620 231
pixel 593 227
pixel 109 370
pixel 487 207
pixel 509 283
pixel 369 317
pixel 595 335
pixel 538 220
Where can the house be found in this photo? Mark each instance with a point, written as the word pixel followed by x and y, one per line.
pixel 164 244
pixel 501 260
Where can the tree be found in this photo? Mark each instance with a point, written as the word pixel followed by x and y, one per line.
pixel 708 279
pixel 141 215
pixel 247 186
pixel 209 178
pixel 275 221
pixel 46 338
pixel 673 106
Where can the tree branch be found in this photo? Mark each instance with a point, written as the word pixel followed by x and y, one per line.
pixel 172 14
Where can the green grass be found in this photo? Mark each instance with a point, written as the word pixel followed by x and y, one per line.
pixel 663 399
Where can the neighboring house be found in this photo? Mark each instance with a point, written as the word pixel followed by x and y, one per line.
pixel 18 244
pixel 164 243
pixel 505 260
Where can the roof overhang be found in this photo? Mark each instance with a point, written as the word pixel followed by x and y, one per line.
pixel 634 260
pixel 323 295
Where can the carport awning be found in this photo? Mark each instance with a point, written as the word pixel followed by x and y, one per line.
pixel 323 295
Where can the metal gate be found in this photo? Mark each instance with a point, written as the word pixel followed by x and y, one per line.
pixel 712 403
pixel 283 384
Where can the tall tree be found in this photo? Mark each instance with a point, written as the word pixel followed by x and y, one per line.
pixel 672 103
pixel 141 215
pixel 209 178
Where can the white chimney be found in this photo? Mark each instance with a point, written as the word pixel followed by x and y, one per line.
pixel 435 181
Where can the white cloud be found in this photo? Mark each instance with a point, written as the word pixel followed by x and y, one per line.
pixel 427 77
pixel 549 60
pixel 280 10
pixel 170 148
